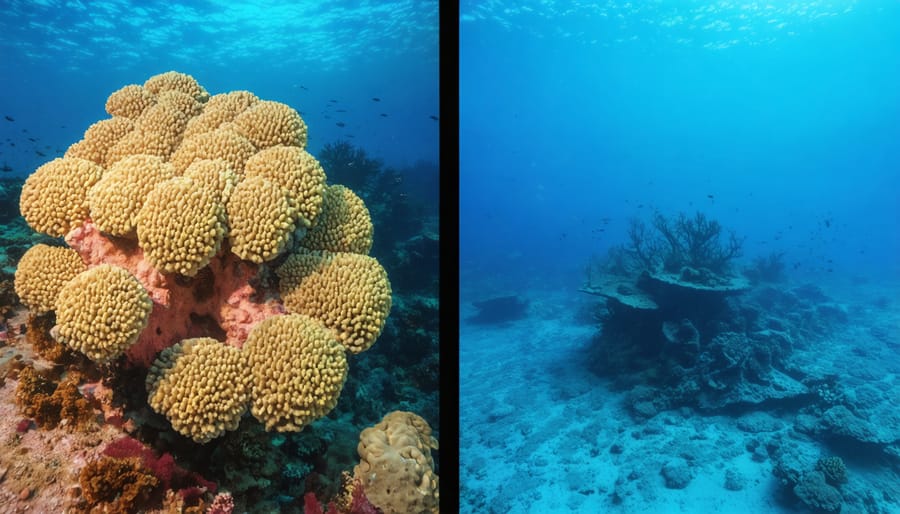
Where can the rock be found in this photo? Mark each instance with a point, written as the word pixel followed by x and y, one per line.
pixel 677 474
pixel 734 480
pixel 25 494
pixel 817 494
pixel 757 422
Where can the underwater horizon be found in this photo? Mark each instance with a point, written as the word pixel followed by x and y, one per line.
pixel 678 256
pixel 358 65
pixel 219 257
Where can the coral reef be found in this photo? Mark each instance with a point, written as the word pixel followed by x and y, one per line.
pixel 199 248
pixel 225 289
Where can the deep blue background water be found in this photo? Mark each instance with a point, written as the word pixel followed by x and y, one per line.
pixel 787 114
pixel 61 59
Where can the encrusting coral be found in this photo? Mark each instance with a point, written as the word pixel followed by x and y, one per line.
pixel 115 485
pixel 186 211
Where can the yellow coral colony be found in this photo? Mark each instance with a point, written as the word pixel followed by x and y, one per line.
pixel 41 274
pixel 181 226
pixel 189 176
pixel 297 369
pixel 54 197
pixel 102 311
pixel 201 386
pixel 348 293
pixel 344 224
pixel 396 467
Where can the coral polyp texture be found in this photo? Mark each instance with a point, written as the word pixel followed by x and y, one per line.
pixel 196 224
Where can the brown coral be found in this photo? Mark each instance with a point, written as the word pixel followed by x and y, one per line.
pixel 116 486
pixel 49 403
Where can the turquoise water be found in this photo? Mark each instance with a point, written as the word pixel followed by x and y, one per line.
pixel 587 129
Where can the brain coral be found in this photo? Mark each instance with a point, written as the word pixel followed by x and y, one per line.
pixel 344 224
pixel 42 272
pixel 348 293
pixel 298 371
pixel 396 467
pixel 201 386
pixel 215 256
pixel 102 311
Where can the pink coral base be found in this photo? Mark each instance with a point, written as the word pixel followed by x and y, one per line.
pixel 221 301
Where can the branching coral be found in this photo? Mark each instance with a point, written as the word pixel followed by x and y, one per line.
pixel 675 243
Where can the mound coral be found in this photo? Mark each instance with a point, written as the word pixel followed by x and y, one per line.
pixel 200 224
pixel 395 467
pixel 41 274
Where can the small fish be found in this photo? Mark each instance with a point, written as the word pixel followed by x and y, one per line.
pixel 341 110
pixel 6 168
pixel 32 139
pixel 332 101
pixel 641 206
pixel 304 88
pixel 435 118
pixel 350 135
pixel 40 153
pixel 9 118
pixel 340 124
pixel 376 99
pixel 709 196
pixel 383 115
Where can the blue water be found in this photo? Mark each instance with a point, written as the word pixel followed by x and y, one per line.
pixel 781 121
pixel 788 115
pixel 61 59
